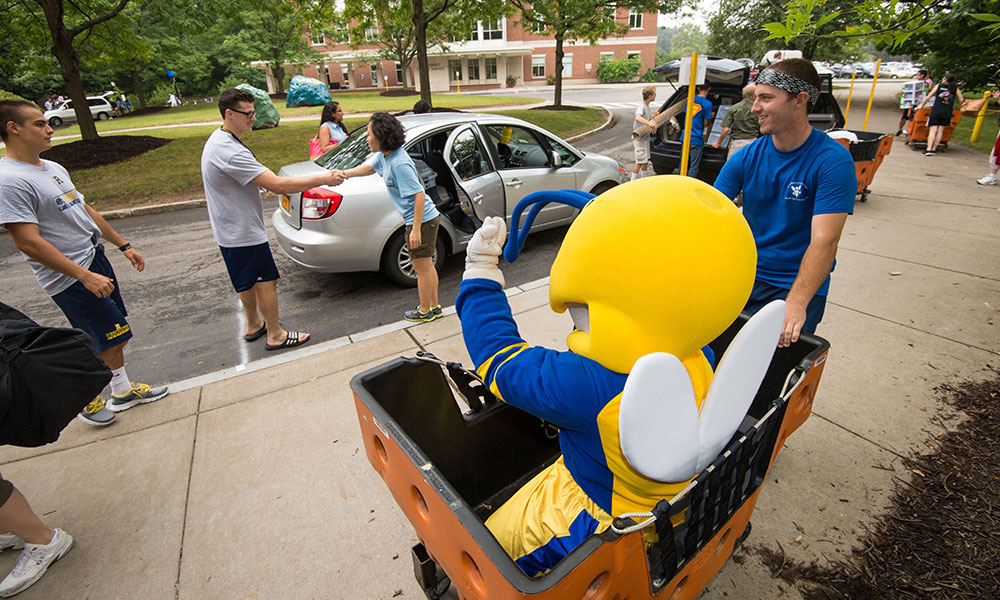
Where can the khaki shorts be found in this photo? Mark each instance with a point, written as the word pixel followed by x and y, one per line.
pixel 428 238
pixel 641 147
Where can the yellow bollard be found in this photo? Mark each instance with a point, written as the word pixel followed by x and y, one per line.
pixel 980 116
pixel 871 96
pixel 686 146
pixel 849 94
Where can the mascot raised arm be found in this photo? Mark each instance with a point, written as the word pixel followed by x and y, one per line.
pixel 651 271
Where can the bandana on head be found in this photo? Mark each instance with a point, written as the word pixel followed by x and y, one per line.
pixel 789 83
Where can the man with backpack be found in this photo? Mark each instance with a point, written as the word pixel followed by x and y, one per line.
pixel 58 235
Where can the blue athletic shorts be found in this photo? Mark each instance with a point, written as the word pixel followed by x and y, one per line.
pixel 763 293
pixel 103 319
pixel 249 264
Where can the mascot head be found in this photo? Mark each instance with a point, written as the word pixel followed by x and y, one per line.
pixel 660 264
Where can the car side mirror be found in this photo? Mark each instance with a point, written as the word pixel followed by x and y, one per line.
pixel 555 158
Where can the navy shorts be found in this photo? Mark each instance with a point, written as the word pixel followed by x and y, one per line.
pixel 764 293
pixel 249 264
pixel 103 319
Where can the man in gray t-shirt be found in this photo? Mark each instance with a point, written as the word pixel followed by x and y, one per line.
pixel 234 180
pixel 58 234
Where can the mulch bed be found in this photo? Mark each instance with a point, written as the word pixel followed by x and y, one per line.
pixel 941 536
pixel 563 107
pixel 87 154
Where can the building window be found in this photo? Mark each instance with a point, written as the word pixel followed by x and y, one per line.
pixel 634 19
pixel 493 30
pixel 538 28
pixel 473 66
pixel 567 66
pixel 464 37
pixel 371 33
pixel 633 55
pixel 316 38
pixel 454 70
pixel 374 69
pixel 399 73
pixel 606 56
pixel 491 69
pixel 538 67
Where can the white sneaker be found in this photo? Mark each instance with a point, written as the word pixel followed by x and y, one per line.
pixel 9 541
pixel 33 562
pixel 988 179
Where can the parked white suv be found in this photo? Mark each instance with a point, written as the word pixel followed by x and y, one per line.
pixel 100 108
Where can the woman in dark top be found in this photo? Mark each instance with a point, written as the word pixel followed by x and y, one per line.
pixel 944 95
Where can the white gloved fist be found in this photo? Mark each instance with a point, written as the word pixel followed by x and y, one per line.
pixel 484 249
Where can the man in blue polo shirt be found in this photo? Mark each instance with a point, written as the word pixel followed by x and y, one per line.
pixel 701 121
pixel 798 188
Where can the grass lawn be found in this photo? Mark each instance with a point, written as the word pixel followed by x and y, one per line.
pixel 351 101
pixel 173 172
pixel 987 134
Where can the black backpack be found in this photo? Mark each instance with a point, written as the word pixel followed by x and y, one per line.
pixel 47 376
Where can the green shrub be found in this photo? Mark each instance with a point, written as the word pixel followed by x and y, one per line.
pixel 618 70
pixel 231 82
pixel 511 81
pixel 650 77
pixel 5 95
pixel 160 94
pixel 551 80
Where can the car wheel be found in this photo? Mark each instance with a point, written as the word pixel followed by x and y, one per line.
pixel 895 77
pixel 602 187
pixel 55 121
pixel 102 116
pixel 396 259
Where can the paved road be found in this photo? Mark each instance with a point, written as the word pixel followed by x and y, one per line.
pixel 187 319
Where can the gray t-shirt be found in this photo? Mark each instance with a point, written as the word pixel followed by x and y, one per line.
pixel 235 209
pixel 642 110
pixel 46 196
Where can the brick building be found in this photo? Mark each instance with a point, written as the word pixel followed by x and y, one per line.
pixel 495 52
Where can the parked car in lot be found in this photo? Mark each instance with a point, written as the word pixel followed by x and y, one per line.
pixel 727 78
pixel 100 108
pixel 472 166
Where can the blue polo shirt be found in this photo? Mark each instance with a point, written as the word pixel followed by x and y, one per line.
pixel 782 191
pixel 403 183
pixel 698 121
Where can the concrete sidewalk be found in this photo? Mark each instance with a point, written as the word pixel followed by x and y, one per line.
pixel 255 484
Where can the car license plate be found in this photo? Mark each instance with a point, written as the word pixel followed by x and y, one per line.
pixel 285 203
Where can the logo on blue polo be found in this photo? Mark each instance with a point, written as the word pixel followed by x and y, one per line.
pixel 797 191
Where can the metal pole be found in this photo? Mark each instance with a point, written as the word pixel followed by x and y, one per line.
pixel 872 95
pixel 849 94
pixel 980 116
pixel 686 146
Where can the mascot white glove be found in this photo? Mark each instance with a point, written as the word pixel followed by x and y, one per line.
pixel 484 249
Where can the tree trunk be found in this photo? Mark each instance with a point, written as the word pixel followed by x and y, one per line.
pixel 557 97
pixel 137 82
pixel 405 67
pixel 62 49
pixel 420 25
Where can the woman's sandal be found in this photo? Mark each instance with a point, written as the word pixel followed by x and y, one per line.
pixel 291 341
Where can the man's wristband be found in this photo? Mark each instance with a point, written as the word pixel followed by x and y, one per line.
pixel 125 246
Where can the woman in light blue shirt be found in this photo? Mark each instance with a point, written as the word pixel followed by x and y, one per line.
pixel 331 129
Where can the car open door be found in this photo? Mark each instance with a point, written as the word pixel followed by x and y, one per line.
pixel 474 174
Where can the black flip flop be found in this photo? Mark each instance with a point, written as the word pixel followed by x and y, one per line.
pixel 290 342
pixel 252 337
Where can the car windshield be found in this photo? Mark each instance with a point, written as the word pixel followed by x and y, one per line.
pixel 347 154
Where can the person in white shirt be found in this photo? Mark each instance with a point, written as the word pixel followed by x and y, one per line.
pixel 643 116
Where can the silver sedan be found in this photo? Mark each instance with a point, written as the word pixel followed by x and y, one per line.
pixel 472 166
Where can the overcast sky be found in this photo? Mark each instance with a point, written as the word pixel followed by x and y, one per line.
pixel 706 9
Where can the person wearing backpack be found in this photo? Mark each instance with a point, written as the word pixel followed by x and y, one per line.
pixel 58 234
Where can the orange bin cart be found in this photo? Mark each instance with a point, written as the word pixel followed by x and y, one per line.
pixel 868 153
pixel 917 130
pixel 450 464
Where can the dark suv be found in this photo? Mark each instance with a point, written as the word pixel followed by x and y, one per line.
pixel 727 78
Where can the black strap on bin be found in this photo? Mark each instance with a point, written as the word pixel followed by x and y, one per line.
pixel 465 383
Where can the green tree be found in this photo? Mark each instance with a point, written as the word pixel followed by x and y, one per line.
pixel 663 37
pixel 589 20
pixel 688 38
pixel 62 26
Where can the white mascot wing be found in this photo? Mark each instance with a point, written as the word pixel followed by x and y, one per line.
pixel 658 419
pixel 662 433
pixel 737 379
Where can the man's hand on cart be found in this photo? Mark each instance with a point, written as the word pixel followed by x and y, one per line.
pixel 484 250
